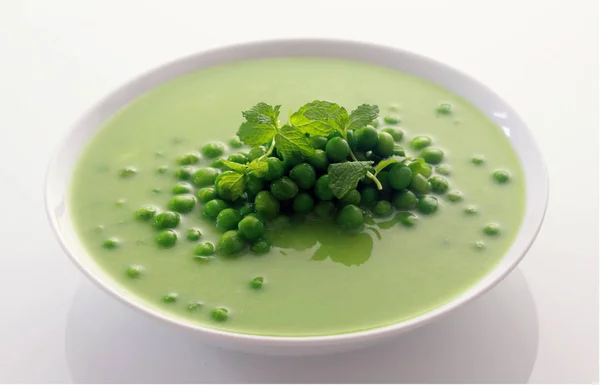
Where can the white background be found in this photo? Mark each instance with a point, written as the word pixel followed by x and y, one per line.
pixel 58 57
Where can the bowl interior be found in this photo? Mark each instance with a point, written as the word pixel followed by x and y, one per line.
pixel 61 166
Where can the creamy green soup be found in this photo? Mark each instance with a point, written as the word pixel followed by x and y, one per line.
pixel 318 280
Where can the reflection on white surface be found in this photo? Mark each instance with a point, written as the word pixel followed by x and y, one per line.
pixel 501 115
pixel 493 339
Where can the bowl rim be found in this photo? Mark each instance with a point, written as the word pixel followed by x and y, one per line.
pixel 387 330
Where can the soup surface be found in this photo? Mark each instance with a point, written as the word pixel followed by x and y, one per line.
pixel 319 280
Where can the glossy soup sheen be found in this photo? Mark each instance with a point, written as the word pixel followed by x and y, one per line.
pixel 318 280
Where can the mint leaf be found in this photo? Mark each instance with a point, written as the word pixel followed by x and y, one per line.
pixel 258 167
pixel 237 167
pixel 387 162
pixel 319 118
pixel 260 126
pixel 290 140
pixel 262 114
pixel 361 116
pixel 231 185
pixel 344 177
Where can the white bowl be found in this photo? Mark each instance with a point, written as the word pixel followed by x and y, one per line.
pixel 496 109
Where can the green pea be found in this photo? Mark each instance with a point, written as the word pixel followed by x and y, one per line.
pixel 501 176
pixel 206 194
pixel 166 220
pixel 382 209
pixel 246 209
pixel 374 157
pixel 290 161
pixel 319 161
pixel 235 143
pixel 398 150
pixel 366 138
pixel 260 246
pixel 145 213
pixel 213 207
pixel 284 189
pixel 193 234
pixel 392 119
pixel 385 144
pixel 166 238
pixel 369 196
pixel 213 150
pixel 439 184
pixel 304 175
pixel 318 142
pixel 471 210
pixel 407 219
pixel 404 200
pixel 454 196
pixel 337 149
pixel 239 157
pixel 134 271
pixel 224 190
pixel 400 176
pixel 218 163
pixel 205 176
pixel 266 205
pixel 303 203
pixel 182 203
pixel 427 204
pixel 228 219
pixel 170 298
pixel 444 109
pixel 256 152
pixel 275 168
pixel 184 173
pixel 492 229
pixel 352 197
pixel 396 133
pixel 230 243
pixel 350 217
pixel 187 159
pixel 127 172
pixel 219 314
pixel 360 156
pixel 432 155
pixel 420 142
pixel 322 189
pixel 375 123
pixel 254 185
pixel 477 160
pixel 251 228
pixel 257 283
pixel 384 179
pixel 444 169
pixel 204 249
pixel 110 244
pixel 419 167
pixel 181 188
pixel 324 209
pixel 162 169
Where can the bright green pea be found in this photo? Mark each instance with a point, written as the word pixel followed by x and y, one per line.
pixel 318 142
pixel 187 159
pixel 239 157
pixel 304 175
pixel 324 209
pixel 257 283
pixel 254 185
pixel 439 184
pixel 492 229
pixel 420 142
pixel 352 197
pixel 205 176
pixel 471 210
pixel 385 144
pixel 266 205
pixel 145 213
pixel 407 219
pixel 219 314
pixel 419 184
pixel 337 149
pixel 166 238
pixel 366 138
pixel 181 188
pixel 382 209
pixel 246 209
pixel 396 133
pixel 454 196
pixel 218 163
pixel 228 219
pixel 224 190
pixel 134 271
pixel 350 217
pixel 204 249
pixel 170 298
pixel 251 228
pixel 351 139
pixel 110 244
pixel 303 203
pixel 182 203
pixel 261 246
pixel 501 176
pixel 369 196
pixel 432 155
pixel 404 200
pixel 235 143
pixel 256 152
pixel 213 150
pixel 399 176
pixel 444 169
pixel 322 189
pixel 319 161
pixel 444 109
pixel 477 160
pixel 206 194
pixel 127 172
pixel 213 207
pixel 284 189
pixel 184 173
pixel 275 168
pixel 427 204
pixel 166 220
pixel 392 119
pixel 193 234
pixel 230 243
